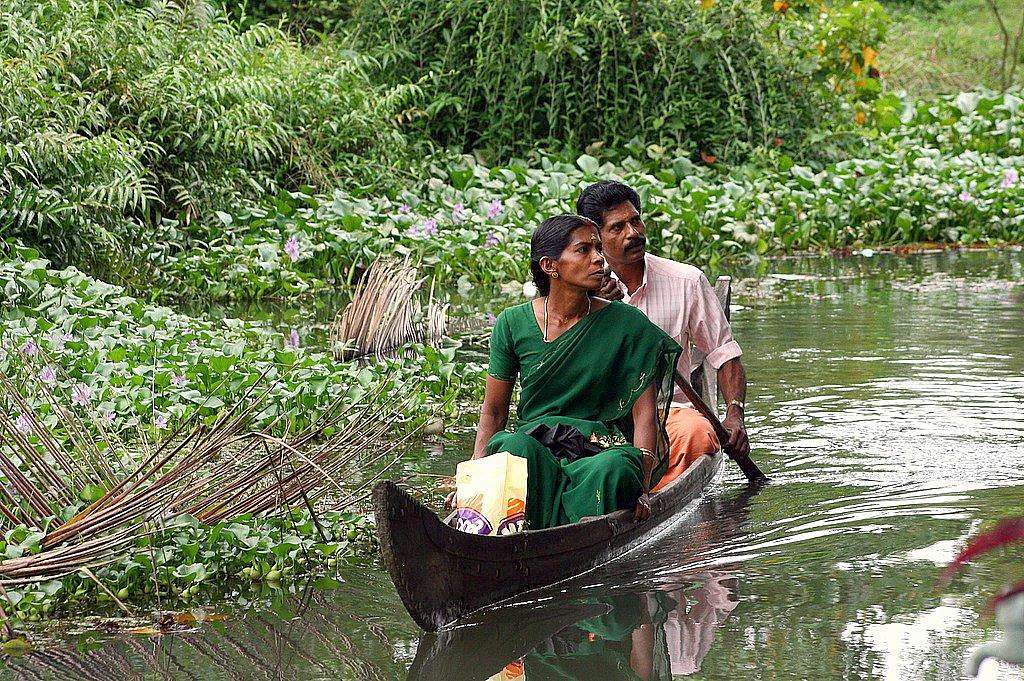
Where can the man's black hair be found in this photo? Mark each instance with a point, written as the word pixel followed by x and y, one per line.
pixel 602 196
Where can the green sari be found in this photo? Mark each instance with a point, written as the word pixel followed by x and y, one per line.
pixel 588 378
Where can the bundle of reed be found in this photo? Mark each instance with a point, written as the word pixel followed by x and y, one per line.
pixel 209 472
pixel 385 314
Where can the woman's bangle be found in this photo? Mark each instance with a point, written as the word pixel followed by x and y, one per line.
pixel 644 450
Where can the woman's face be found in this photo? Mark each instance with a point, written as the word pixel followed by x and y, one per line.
pixel 581 264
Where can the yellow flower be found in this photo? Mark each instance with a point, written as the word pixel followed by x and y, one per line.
pixel 780 6
pixel 707 4
pixel 860 117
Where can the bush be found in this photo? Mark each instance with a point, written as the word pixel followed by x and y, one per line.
pixel 307 18
pixel 511 74
pixel 116 115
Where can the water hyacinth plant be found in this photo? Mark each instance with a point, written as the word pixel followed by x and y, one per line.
pixel 240 429
pixel 948 173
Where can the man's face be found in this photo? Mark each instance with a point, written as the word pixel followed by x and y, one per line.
pixel 623 234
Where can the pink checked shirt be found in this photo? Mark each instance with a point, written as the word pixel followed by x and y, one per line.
pixel 680 299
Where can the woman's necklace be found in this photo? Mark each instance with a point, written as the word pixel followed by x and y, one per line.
pixel 546 315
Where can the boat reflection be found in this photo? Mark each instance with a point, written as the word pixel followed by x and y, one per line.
pixel 648 635
pixel 652 619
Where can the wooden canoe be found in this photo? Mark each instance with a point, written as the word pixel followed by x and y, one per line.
pixel 484 643
pixel 443 575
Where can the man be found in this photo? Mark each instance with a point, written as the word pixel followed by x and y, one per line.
pixel 679 299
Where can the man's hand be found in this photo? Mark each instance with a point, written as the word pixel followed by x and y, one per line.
pixel 609 288
pixel 738 444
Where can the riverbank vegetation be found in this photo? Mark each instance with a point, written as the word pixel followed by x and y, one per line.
pixel 156 154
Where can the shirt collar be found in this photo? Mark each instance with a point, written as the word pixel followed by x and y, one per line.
pixel 643 282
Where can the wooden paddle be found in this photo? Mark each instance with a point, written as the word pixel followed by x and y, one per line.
pixel 748 467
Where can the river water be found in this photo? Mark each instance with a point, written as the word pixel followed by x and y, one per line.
pixel 886 404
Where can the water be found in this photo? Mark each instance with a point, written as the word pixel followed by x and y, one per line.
pixel 887 405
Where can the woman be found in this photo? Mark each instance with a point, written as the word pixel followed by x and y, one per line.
pixel 583 363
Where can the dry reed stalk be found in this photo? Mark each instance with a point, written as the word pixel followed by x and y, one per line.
pixel 382 315
pixel 224 470
pixel 212 473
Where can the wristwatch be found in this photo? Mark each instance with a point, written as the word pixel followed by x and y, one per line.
pixel 738 403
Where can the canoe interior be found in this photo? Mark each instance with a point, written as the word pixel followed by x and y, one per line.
pixel 442 574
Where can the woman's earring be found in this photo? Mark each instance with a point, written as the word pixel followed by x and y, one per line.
pixel 554 275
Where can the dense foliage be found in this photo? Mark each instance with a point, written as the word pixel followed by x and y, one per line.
pixel 715 77
pixel 133 372
pixel 946 170
pixel 129 365
pixel 119 121
pixel 187 561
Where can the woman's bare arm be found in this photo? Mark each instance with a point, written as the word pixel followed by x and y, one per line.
pixel 645 431
pixel 493 413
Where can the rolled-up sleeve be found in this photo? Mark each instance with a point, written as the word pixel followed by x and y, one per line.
pixel 708 326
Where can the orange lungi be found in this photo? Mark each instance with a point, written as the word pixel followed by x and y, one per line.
pixel 690 436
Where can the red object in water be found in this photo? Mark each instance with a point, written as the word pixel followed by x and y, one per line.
pixel 1012 591
pixel 708 158
pixel 1006 532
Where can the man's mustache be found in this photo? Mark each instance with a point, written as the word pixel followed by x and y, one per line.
pixel 638 242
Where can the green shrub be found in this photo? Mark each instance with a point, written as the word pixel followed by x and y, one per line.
pixel 305 17
pixel 114 116
pixel 511 74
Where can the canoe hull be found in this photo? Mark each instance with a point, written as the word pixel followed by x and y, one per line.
pixel 442 574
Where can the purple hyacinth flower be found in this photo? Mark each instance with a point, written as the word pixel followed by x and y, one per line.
pixel 494 210
pixel 47 375
pixel 291 247
pixel 178 381
pixel 1010 178
pixel 23 424
pixel 491 240
pixel 81 395
pixel 30 348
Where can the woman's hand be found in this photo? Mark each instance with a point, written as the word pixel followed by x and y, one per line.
pixel 643 508
pixel 450 500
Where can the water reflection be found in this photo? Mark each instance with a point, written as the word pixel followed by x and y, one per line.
pixel 887 404
pixel 655 635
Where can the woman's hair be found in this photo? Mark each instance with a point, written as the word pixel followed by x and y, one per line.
pixel 549 240
pixel 603 196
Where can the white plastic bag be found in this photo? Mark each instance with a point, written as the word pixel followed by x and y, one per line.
pixel 491 495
